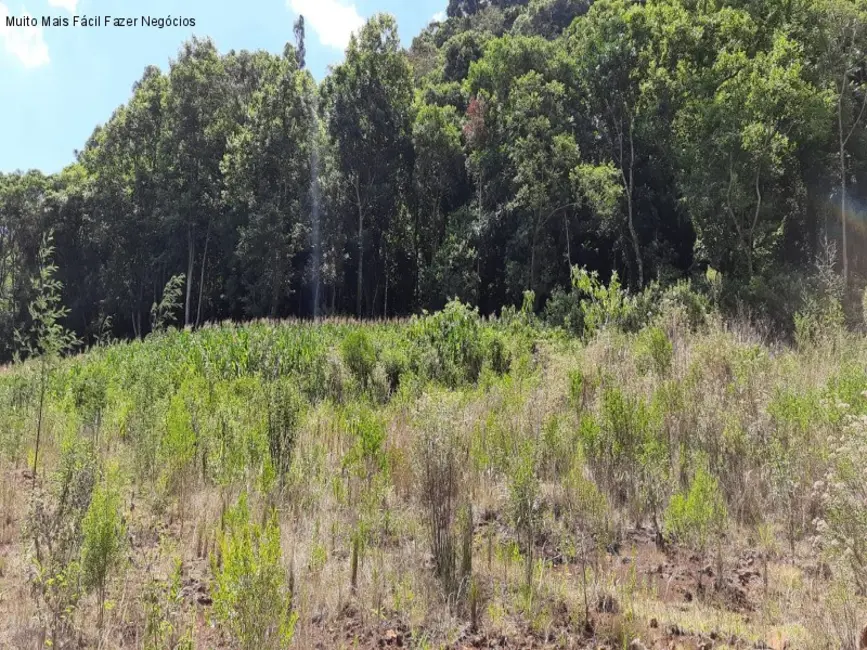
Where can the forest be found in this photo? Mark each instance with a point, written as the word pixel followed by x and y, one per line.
pixel 510 142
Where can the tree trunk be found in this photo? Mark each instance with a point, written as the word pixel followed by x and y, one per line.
pixel 630 208
pixel 202 276
pixel 360 248
pixel 43 370
pixel 385 299
pixel 536 227
pixel 845 248
pixel 275 283
pixel 191 252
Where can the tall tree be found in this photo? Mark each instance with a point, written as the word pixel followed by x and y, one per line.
pixel 367 103
pixel 198 111
pixel 267 178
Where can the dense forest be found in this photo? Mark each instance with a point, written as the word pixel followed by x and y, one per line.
pixel 511 142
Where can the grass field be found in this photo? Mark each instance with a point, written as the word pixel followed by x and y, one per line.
pixel 447 481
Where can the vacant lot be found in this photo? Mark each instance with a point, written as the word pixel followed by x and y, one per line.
pixel 442 482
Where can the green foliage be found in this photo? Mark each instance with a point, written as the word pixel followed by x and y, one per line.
pixel 367 455
pixel 251 599
pixel 360 356
pixel 654 350
pixel 163 313
pixel 448 345
pixel 285 407
pixel 104 537
pixel 587 505
pixel 48 338
pixel 698 515
pixel 601 305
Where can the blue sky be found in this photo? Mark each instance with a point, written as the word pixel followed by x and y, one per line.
pixel 57 84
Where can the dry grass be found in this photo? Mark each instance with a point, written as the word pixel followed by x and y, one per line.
pixel 726 382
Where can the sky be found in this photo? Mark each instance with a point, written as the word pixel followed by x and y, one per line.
pixel 58 83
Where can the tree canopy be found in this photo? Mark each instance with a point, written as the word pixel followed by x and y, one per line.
pixel 509 142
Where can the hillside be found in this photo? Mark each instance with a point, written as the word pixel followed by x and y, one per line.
pixel 441 482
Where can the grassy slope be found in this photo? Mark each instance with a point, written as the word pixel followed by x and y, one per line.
pixel 589 443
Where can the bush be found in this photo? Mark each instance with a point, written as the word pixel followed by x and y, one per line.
pixel 285 408
pixel 654 351
pixel 55 526
pixel 563 309
pixel 104 538
pixel 395 363
pixel 440 458
pixel 498 354
pixel 448 345
pixel 844 527
pixel 360 356
pixel 251 598
pixel 697 516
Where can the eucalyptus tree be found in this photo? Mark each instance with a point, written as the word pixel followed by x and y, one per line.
pixel 267 179
pixel 367 107
pixel 199 121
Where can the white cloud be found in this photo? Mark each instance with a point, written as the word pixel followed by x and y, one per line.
pixel 332 20
pixel 69 5
pixel 24 43
pixel 439 16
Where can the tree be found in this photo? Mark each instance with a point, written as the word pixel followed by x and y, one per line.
pixel 367 103
pixel 300 42
pixel 197 114
pixel 845 23
pixel 608 44
pixel 438 176
pixel 542 155
pixel 739 133
pixel 48 338
pixel 267 177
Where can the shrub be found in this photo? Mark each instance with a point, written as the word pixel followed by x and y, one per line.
pixel 448 344
pixel 360 356
pixel 844 527
pixel 285 408
pixel 104 538
pixel 523 502
pixel 440 458
pixel 614 446
pixel 654 351
pixel 251 598
pixel 698 515
pixel 563 309
pixel 394 363
pixel 367 456
pixel 55 527
pixel 498 354
pixel 601 305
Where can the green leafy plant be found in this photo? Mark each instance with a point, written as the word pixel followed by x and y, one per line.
pixel 698 515
pixel 654 350
pixel 251 597
pixel 360 356
pixel 104 534
pixel 48 339
pixel 163 313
